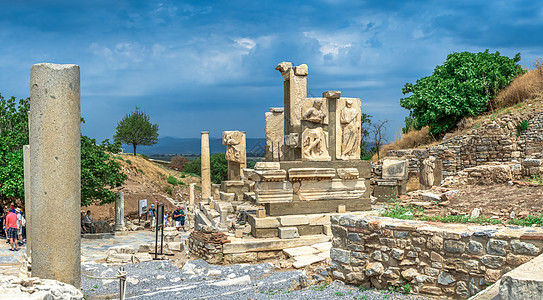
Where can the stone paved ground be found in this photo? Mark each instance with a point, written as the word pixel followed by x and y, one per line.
pixel 196 280
pixel 199 280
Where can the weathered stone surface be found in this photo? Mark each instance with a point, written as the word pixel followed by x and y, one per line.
pixel 274 130
pixel 496 247
pixel 348 173
pixel 524 282
pixel 268 222
pixel 205 166
pixel 445 278
pixel 294 220
pixel 55 158
pixel 517 260
pixel 454 246
pixel 374 269
pixel 410 274
pixel 397 254
pixel 394 169
pixel 297 251
pixel 435 243
pixel 492 275
pixel 492 261
pixel 288 233
pixel 267 165
pixel 12 287
pixel 475 247
pixel 340 255
pixel 305 260
pixel 462 289
pixel 524 248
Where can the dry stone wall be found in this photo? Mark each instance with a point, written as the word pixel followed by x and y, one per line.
pixel 454 260
pixel 493 141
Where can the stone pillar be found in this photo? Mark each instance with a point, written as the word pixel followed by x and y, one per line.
pixel 236 155
pixel 28 217
pixel 274 129
pixel 206 166
pixel 191 193
pixel 55 176
pixel 119 212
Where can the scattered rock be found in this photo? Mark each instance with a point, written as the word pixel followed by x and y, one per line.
pixel 475 213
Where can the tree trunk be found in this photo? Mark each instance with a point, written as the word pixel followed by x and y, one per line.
pixel 134 149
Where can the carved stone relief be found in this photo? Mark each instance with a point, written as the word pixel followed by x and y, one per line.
pixel 235 146
pixel 315 145
pixel 348 129
pixel 315 110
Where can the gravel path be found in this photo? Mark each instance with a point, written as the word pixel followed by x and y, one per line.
pixel 200 280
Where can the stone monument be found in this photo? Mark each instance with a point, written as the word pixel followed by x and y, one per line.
pixel 119 213
pixel 206 166
pixel 55 175
pixel 274 128
pixel 320 169
pixel 235 153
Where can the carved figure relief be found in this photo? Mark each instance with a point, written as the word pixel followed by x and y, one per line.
pixel 235 146
pixel 350 123
pixel 315 144
pixel 315 113
pixel 428 166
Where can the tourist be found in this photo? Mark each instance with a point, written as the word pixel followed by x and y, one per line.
pixel 83 229
pixel 11 223
pixel 88 221
pixel 165 220
pixel 19 225
pixel 179 217
pixel 152 215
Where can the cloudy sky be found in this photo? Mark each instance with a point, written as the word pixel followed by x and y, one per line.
pixel 209 65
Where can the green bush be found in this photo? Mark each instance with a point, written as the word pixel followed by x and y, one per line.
pixel 463 86
pixel 523 125
pixel 219 167
pixel 171 180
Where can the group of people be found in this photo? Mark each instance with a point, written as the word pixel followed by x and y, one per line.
pixel 178 217
pixel 14 225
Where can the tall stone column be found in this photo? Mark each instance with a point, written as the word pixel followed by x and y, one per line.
pixel 206 166
pixel 191 193
pixel 119 212
pixel 55 176
pixel 28 213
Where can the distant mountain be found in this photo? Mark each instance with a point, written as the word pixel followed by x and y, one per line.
pixel 173 145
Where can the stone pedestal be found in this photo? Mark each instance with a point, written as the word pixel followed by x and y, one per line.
pixel 28 210
pixel 55 185
pixel 191 193
pixel 206 166
pixel 119 212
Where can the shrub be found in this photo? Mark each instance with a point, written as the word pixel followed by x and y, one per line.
pixel 178 162
pixel 412 139
pixel 463 86
pixel 523 125
pixel 171 180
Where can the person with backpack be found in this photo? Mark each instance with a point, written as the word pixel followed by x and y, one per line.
pixel 179 217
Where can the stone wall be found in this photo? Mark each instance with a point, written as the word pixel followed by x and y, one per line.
pixel 454 260
pixel 490 142
pixel 208 245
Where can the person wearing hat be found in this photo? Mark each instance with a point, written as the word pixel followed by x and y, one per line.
pixel 152 216
pixel 11 224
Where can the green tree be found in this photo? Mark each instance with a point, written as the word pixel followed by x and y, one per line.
pixel 136 128
pixel 219 167
pixel 99 171
pixel 463 86
pixel 366 150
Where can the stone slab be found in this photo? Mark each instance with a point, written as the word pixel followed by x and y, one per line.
pixel 272 244
pixel 314 207
pixel 322 247
pixel 524 282
pixel 310 229
pixel 264 232
pixel 288 232
pixel 294 220
pixel 364 167
pixel 305 260
pixel 303 250
pixel 268 222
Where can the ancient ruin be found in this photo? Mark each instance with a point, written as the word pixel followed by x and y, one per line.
pixel 55 160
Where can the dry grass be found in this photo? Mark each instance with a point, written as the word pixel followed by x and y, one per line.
pixel 525 87
pixel 412 139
